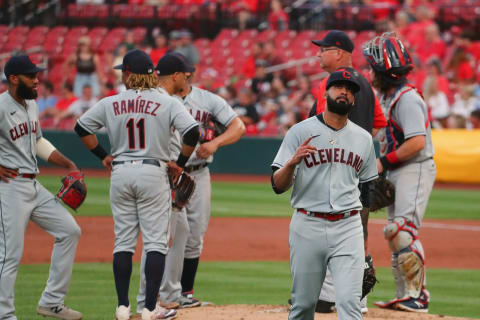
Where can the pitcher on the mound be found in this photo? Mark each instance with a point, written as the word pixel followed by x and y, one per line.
pixel 325 158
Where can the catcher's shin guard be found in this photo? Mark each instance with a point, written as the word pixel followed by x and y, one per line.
pixel 407 259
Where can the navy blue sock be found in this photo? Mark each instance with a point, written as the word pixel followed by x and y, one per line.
pixel 122 270
pixel 154 267
pixel 190 267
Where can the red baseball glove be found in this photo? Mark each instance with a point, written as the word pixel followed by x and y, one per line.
pixel 73 190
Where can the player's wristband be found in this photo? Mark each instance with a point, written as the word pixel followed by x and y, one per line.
pixel 182 160
pixel 390 161
pixel 99 152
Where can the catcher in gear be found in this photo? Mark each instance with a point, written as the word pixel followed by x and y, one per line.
pixel 73 190
pixel 23 198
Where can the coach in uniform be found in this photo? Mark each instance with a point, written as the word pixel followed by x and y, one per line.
pixel 23 198
pixel 335 54
pixel 192 221
pixel 325 158
pixel 138 123
pixel 409 163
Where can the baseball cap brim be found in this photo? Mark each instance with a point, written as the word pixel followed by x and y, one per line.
pixel 189 68
pixel 118 67
pixel 353 84
pixel 32 70
pixel 320 43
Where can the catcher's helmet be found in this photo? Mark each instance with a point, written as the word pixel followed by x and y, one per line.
pixel 387 54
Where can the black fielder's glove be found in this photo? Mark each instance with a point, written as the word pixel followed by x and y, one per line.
pixel 211 130
pixel 369 278
pixel 73 190
pixel 382 193
pixel 182 188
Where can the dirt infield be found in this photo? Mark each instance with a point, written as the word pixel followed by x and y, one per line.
pixel 268 312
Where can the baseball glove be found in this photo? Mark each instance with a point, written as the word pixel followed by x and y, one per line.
pixel 211 130
pixel 73 190
pixel 382 193
pixel 182 189
pixel 369 278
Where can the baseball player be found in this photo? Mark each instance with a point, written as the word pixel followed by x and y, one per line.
pixel 138 123
pixel 192 222
pixel 336 53
pixel 325 158
pixel 23 198
pixel 409 165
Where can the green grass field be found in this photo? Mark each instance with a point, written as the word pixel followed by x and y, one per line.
pixel 258 200
pixel 454 292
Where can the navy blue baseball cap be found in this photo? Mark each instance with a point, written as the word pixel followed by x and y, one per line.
pixel 20 65
pixel 173 62
pixel 344 76
pixel 136 61
pixel 336 38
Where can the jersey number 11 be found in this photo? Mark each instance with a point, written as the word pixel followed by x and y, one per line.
pixel 131 133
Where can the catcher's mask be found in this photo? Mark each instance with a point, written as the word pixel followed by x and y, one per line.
pixel 387 54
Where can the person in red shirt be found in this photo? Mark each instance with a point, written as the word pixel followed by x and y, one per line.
pixel 159 49
pixel 433 45
pixel 277 18
pixel 66 99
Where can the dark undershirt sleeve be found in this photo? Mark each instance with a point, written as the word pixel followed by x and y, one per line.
pixel 364 193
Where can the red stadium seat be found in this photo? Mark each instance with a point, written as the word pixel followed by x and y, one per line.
pixel 167 12
pixel 201 43
pixel 266 35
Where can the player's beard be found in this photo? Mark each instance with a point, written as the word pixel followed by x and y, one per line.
pixel 341 108
pixel 24 92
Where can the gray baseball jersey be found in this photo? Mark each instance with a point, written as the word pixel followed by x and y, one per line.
pixel 327 182
pixel 137 123
pixel 23 199
pixel 338 161
pixel 17 145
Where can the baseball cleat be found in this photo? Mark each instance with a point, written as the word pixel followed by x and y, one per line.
pixel 188 301
pixel 158 313
pixel 413 305
pixel 59 312
pixel 363 305
pixel 122 313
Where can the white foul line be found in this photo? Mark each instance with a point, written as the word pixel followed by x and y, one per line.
pixel 436 225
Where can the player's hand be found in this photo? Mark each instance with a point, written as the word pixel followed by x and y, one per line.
pixel 6 173
pixel 175 170
pixel 379 166
pixel 302 151
pixel 207 149
pixel 107 162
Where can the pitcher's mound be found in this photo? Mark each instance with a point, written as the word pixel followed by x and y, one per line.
pixel 270 312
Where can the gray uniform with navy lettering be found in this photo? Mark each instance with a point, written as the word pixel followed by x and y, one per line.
pixel 138 125
pixel 191 223
pixel 327 182
pixel 24 199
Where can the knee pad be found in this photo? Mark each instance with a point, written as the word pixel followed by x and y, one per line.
pixel 409 269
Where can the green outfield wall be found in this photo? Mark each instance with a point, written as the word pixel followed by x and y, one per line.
pixel 247 156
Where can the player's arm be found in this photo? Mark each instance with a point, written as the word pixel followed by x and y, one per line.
pixel 91 143
pixel 379 120
pixel 235 130
pixel 282 178
pixel 189 141
pixel 46 151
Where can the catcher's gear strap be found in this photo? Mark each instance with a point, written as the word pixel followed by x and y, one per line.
pixel 44 148
pixel 400 234
pixel 190 138
pixel 365 193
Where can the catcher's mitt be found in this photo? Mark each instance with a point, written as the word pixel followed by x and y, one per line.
pixel 211 130
pixel 369 278
pixel 73 190
pixel 182 189
pixel 382 193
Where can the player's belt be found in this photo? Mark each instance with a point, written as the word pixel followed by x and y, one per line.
pixel 196 167
pixel 328 216
pixel 145 161
pixel 26 175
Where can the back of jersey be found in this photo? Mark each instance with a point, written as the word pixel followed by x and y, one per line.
pixel 138 123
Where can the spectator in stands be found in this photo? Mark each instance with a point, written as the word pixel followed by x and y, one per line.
pixel 302 89
pixel 108 89
pixel 269 54
pixel 402 24
pixel 246 110
pixel 433 46
pixel 475 118
pixel 46 98
pixel 435 98
pixel 249 65
pixel 262 81
pixel 159 48
pixel 78 107
pixel 66 99
pixel 88 67
pixel 129 41
pixel 277 18
pixel 465 103
pixel 120 52
pixel 186 47
pixel 460 68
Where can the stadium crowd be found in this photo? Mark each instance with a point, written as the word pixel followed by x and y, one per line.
pixel 245 67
